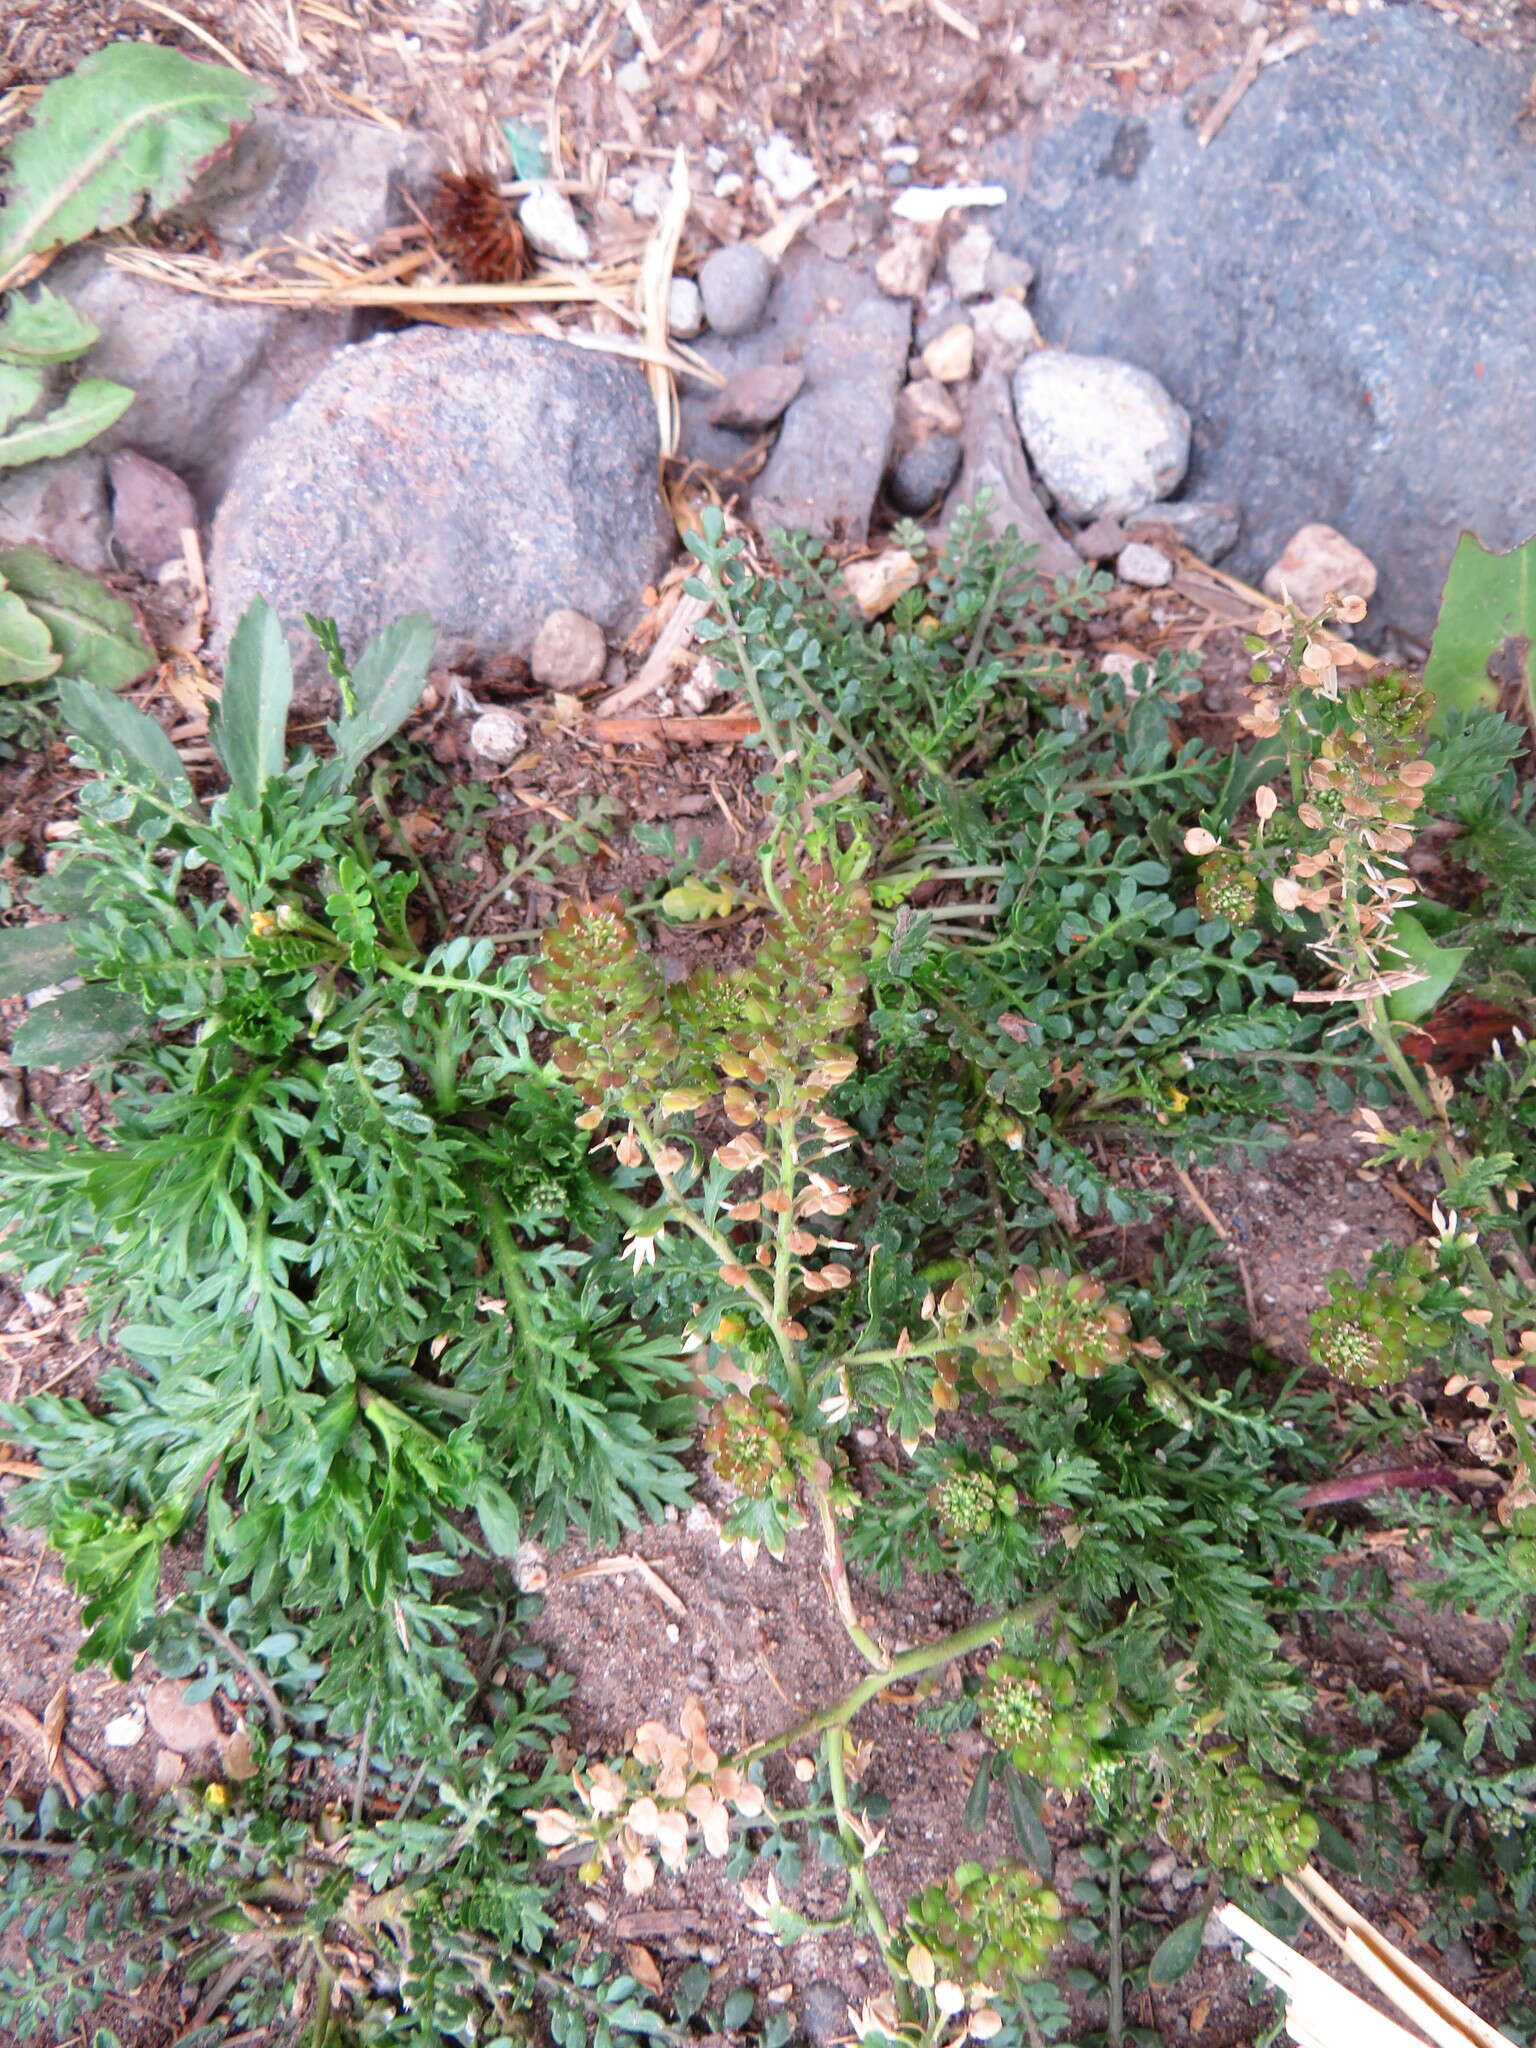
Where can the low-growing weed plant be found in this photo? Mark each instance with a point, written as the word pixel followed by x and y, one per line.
pixel 413 1246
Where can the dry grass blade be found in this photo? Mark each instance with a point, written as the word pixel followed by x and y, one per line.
pixel 625 1561
pixel 221 50
pixel 672 644
pixel 76 1776
pixel 653 292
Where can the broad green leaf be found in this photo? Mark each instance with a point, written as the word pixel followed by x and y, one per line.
pixel 694 900
pixel 88 409
pixel 26 652
pixel 20 390
pixel 1486 632
pixel 133 123
pixel 388 680
pixel 1177 1953
pixel 250 726
pixel 1024 1805
pixel 95 634
pixel 975 1819
pixel 1411 946
pixel 119 732
pixel 36 956
pixel 500 1523
pixel 83 1024
pixel 46 329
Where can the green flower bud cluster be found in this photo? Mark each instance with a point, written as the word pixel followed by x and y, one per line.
pixel 1227 889
pixel 1373 1334
pixel 986 1924
pixel 968 1501
pixel 1050 1716
pixel 608 995
pixel 748 1443
pixel 1237 1821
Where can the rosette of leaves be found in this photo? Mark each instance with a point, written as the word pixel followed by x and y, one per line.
pixel 342 1222
pixel 982 1927
pixel 752 1444
pixel 1375 1333
pixel 1051 1715
pixel 1054 1318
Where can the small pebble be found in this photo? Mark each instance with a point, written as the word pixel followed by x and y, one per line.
pixel 633 77
pixel 10 1102
pixel 549 221
pixel 756 397
pixel 498 736
pixel 924 473
pixel 951 355
pixel 788 170
pixel 735 281
pixel 1100 540
pixel 1139 562
pixel 650 196
pixel 685 308
pixel 124 1730
pixel 927 407
pixel 966 264
pixel 1009 276
pixel 569 651
pixel 1005 333
pixel 903 270
pixel 728 184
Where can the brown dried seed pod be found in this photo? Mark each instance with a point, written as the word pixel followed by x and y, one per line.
pixel 477 230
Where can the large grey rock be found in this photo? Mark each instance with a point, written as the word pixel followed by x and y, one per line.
pixel 485 478
pixel 208 375
pixel 851 340
pixel 1341 290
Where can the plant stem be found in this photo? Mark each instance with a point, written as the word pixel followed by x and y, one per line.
pixel 724 1252
pixel 837 1581
pixel 237 1657
pixel 858 1876
pixel 1116 1957
pixel 910 1664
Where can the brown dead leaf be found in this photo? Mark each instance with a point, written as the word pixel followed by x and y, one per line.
pixel 642 1967
pixel 236 1759
pixel 170 1769
pixel 76 1776
pixel 183 1725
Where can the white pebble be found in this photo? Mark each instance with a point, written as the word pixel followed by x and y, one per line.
pixel 685 308
pixel 498 736
pixel 788 170
pixel 124 1730
pixel 550 223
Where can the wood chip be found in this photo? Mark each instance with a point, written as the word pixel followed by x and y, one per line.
pixel 54 1716
pixel 725 728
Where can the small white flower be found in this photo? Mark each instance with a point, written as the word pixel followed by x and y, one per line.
pixel 640 1246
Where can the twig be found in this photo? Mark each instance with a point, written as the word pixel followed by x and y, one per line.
pixel 1202 1204
pixel 625 1561
pixel 1244 76
pixel 193 28
pixel 258 1678
pixel 360 1783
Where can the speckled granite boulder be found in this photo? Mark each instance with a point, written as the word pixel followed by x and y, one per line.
pixel 484 478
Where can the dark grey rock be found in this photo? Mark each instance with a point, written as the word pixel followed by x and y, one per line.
pixel 1205 526
pixel 208 375
pixel 924 473
pixel 994 463
pixel 485 478
pixel 1341 290
pixel 851 340
pixel 60 506
pixel 735 282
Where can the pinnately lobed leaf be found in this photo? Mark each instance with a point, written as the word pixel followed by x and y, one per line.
pixel 133 124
